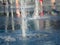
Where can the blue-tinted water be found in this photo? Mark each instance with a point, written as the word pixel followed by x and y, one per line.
pixel 46 35
pixel 37 38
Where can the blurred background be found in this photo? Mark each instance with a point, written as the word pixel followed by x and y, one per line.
pixel 29 22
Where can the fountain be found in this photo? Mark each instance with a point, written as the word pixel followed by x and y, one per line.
pixel 24 22
pixel 12 16
pixel 30 31
pixel 7 17
pixel 9 38
pixel 36 15
pixel 39 23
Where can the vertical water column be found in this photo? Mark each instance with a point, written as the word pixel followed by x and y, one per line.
pixel 12 16
pixel 36 11
pixel 7 17
pixel 23 16
pixel 36 15
pixel 4 5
